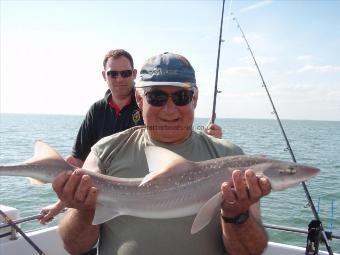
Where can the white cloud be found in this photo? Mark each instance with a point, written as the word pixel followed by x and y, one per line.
pixel 254 6
pixel 315 68
pixel 259 60
pixel 251 37
pixel 240 70
pixel 237 39
pixel 304 57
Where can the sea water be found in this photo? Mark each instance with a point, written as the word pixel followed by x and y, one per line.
pixel 313 142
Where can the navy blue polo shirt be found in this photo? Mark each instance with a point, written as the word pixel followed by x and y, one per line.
pixel 103 119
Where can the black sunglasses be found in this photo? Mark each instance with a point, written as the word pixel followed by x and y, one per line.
pixel 160 98
pixel 124 73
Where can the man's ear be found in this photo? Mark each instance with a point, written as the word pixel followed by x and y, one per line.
pixel 104 75
pixel 139 99
pixel 134 73
pixel 195 98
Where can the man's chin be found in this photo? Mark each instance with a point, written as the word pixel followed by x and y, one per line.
pixel 169 134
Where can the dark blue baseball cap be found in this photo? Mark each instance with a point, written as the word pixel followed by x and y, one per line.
pixel 167 69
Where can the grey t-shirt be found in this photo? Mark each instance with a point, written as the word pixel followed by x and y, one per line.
pixel 122 155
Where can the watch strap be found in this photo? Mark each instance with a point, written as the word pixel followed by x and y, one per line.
pixel 238 219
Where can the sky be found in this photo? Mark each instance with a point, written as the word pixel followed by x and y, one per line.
pixel 52 53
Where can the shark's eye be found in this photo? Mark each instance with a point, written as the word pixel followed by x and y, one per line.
pixel 291 170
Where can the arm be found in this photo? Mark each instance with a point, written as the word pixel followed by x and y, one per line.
pixel 239 196
pixel 76 191
pixel 50 211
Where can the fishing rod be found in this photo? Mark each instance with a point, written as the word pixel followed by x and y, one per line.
pixel 14 225
pixel 289 148
pixel 213 114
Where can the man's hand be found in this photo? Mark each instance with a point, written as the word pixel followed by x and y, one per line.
pixel 243 191
pixel 75 190
pixel 214 130
pixel 74 161
pixel 50 211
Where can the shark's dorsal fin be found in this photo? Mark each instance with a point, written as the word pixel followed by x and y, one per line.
pixel 161 162
pixel 43 151
pixel 206 213
pixel 161 158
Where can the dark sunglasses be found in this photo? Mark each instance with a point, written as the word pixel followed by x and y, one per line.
pixel 160 98
pixel 124 73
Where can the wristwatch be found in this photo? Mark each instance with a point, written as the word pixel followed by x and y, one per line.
pixel 238 219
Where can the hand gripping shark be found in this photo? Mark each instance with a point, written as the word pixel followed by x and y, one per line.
pixel 175 187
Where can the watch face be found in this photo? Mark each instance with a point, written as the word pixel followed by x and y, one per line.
pixel 242 217
pixel 239 219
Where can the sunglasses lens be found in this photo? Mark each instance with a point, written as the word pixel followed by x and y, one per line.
pixel 156 98
pixel 112 74
pixel 183 97
pixel 159 98
pixel 124 73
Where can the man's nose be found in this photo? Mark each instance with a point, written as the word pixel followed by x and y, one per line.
pixel 118 77
pixel 170 105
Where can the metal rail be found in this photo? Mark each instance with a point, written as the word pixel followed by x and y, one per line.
pixel 330 235
pixel 14 225
pixel 270 226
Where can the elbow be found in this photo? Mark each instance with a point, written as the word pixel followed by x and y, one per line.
pixel 260 247
pixel 77 249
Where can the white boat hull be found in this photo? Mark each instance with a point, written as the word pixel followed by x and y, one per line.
pixel 50 243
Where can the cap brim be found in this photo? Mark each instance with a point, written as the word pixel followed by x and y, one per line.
pixel 143 84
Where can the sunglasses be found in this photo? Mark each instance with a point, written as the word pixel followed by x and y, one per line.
pixel 123 74
pixel 160 98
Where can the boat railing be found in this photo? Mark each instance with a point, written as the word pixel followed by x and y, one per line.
pixel 329 234
pixel 12 231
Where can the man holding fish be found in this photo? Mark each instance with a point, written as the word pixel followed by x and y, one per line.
pixel 116 112
pixel 167 95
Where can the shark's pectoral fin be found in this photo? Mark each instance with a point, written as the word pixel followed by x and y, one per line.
pixel 104 213
pixel 206 213
pixel 36 182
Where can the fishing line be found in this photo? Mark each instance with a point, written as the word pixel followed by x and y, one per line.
pixel 310 201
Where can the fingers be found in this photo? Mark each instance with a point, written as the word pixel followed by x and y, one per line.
pixel 83 189
pixel 47 217
pixel 60 181
pixel 252 184
pixel 214 130
pixel 265 186
pixel 75 190
pixel 91 197
pixel 244 190
pixel 229 195
pixel 239 184
pixel 71 185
